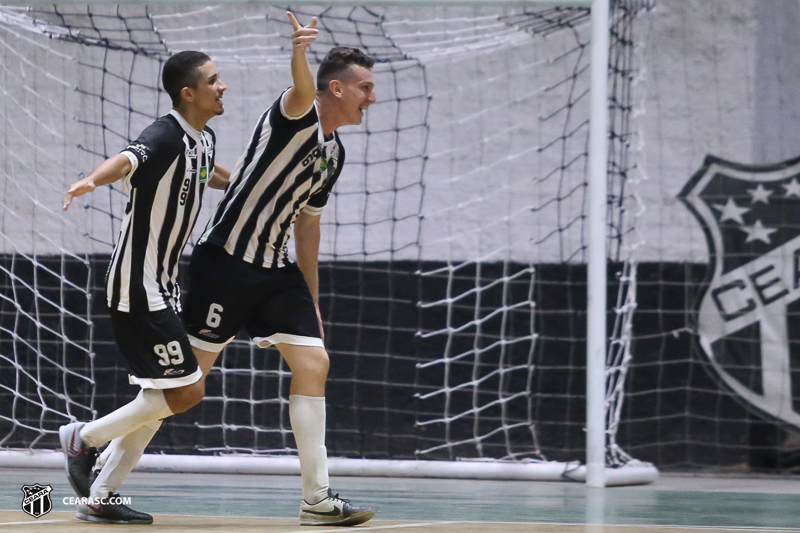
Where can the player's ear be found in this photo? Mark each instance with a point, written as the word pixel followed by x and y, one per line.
pixel 335 87
pixel 187 94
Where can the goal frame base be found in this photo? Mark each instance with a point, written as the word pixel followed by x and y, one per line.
pixel 633 473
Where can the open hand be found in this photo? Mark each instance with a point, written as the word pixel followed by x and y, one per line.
pixel 79 188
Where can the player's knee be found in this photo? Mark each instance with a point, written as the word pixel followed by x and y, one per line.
pixel 197 393
pixel 308 364
pixel 320 363
pixel 184 398
pixel 313 365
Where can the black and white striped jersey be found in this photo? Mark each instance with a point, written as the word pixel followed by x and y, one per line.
pixel 171 164
pixel 288 167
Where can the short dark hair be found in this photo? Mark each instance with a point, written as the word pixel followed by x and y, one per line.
pixel 337 61
pixel 180 71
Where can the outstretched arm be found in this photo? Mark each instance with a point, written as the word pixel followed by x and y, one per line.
pixel 301 95
pixel 306 237
pixel 112 169
pixel 220 178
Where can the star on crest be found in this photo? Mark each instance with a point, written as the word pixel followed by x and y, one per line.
pixel 731 211
pixel 759 194
pixel 792 188
pixel 757 232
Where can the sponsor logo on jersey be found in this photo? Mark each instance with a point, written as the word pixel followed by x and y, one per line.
pixel 139 149
pixel 208 333
pixel 172 372
pixel 316 154
pixel 748 317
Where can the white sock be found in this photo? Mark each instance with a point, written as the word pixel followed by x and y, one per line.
pixel 149 406
pixel 307 415
pixel 120 458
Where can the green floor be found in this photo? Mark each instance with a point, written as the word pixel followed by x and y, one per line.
pixel 727 502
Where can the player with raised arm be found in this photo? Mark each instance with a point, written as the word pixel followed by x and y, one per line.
pixel 241 274
pixel 165 170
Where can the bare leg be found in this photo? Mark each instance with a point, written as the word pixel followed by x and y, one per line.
pixel 309 367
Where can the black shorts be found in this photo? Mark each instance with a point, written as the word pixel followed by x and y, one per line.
pixel 156 348
pixel 227 294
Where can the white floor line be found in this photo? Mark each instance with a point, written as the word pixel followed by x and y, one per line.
pixel 710 528
pixel 372 528
pixel 30 523
pixel 644 526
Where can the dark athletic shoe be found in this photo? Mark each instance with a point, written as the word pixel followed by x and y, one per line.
pixel 79 458
pixel 109 511
pixel 333 511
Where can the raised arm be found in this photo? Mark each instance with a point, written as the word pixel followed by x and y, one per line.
pixel 301 95
pixel 112 169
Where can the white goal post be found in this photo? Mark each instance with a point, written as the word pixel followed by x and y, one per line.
pixel 596 335
pixel 512 464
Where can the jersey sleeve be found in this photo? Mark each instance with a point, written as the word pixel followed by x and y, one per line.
pixel 290 125
pixel 283 107
pixel 152 153
pixel 320 199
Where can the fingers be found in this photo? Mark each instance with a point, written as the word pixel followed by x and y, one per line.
pixel 79 188
pixel 295 24
pixel 70 195
pixel 302 36
pixel 321 327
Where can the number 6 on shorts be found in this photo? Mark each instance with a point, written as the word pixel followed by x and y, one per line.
pixel 213 319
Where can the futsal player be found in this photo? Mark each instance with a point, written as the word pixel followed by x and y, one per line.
pixel 241 274
pixel 165 170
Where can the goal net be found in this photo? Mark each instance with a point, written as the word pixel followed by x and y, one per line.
pixel 453 248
